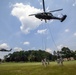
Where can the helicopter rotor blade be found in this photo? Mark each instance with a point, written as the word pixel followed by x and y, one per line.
pixel 56 10
pixel 43 6
pixel 32 14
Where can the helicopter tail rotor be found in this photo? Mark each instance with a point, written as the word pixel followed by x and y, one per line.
pixel 63 18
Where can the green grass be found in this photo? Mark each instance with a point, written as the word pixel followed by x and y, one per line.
pixel 69 68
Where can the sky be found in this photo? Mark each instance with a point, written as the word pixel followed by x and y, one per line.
pixel 22 32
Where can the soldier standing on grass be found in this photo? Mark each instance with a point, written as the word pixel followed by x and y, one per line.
pixel 58 61
pixel 42 62
pixel 61 61
pixel 45 62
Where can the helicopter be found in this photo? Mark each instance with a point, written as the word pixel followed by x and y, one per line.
pixel 4 50
pixel 48 15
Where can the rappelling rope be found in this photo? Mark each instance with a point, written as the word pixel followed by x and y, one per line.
pixel 44 40
pixel 52 36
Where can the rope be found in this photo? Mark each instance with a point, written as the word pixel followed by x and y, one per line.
pixel 44 40
pixel 52 36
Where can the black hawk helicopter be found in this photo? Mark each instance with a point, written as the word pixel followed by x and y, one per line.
pixel 48 15
pixel 4 50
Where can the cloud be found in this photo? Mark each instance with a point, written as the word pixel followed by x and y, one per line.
pixel 74 3
pixel 17 49
pixel 26 43
pixel 22 12
pixel 4 45
pixel 40 2
pixel 59 47
pixel 43 31
pixel 74 34
pixel 48 50
pixel 66 30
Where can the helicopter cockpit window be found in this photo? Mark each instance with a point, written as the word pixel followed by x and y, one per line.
pixel 49 14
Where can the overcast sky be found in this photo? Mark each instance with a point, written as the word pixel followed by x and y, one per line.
pixel 22 32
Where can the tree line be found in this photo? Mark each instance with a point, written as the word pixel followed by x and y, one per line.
pixel 31 56
pixel 38 55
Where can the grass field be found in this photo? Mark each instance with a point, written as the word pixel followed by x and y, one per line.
pixel 69 68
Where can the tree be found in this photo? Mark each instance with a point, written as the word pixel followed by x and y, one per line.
pixel 31 55
pixel 74 55
pixel 66 52
pixel 0 60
